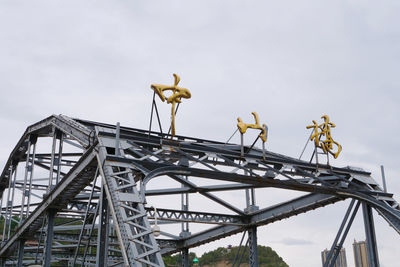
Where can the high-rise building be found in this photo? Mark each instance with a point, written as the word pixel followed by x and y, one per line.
pixel 340 260
pixel 360 254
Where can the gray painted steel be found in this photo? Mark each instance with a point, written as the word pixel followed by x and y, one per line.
pixel 253 255
pixel 128 160
pixel 372 247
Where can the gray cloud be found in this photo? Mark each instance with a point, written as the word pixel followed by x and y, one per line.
pixel 291 62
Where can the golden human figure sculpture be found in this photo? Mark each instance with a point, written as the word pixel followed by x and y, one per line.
pixel 177 94
pixel 243 126
pixel 321 130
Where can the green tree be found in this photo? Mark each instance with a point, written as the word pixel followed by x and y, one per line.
pixel 176 260
pixel 267 257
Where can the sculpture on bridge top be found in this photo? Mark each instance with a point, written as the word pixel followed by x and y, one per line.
pixel 177 94
pixel 243 126
pixel 324 130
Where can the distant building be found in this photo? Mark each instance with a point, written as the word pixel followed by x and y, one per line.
pixel 360 254
pixel 340 260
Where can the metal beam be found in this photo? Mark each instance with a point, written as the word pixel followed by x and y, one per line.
pixel 370 236
pixel 69 186
pixel 263 217
pixel 336 247
pixel 103 230
pixel 185 257
pixel 194 216
pixel 142 155
pixel 138 245
pixel 49 238
pixel 253 251
pixel 20 253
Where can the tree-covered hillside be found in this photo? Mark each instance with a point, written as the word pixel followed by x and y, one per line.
pixel 267 257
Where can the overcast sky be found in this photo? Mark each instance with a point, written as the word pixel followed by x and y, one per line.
pixel 291 61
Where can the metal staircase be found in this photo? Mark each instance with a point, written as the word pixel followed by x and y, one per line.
pixel 137 242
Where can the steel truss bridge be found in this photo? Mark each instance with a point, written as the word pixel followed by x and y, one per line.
pixel 76 193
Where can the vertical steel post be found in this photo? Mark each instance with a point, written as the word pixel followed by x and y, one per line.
pixel 250 198
pixel 55 159
pixel 24 191
pixel 185 207
pixel 327 158
pixel 370 235
pixel 253 197
pixel 10 183
pixel 241 145
pixel 185 257
pixel 2 197
pixel 33 141
pixel 383 179
pixel 263 149
pixel 103 231
pixel 152 109
pixel 253 253
pixel 117 134
pixel 247 191
pixel 21 253
pixel 49 238
pixel 53 151
pixel 247 198
pixel 50 213
pixel 12 203
pixel 59 136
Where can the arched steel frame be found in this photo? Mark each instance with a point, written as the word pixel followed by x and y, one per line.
pixel 90 208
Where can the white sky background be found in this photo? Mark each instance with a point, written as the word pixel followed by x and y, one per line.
pixel 291 61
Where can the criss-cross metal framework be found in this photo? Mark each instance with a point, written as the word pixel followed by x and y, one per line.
pixel 82 193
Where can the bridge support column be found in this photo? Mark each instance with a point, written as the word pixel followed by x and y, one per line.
pixel 370 235
pixel 21 253
pixel 185 225
pixel 49 238
pixel 253 253
pixel 185 257
pixel 102 238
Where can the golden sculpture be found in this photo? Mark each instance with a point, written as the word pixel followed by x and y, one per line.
pixel 324 130
pixel 243 126
pixel 177 94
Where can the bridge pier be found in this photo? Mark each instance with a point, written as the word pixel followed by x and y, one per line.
pixel 253 253
pixel 185 257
